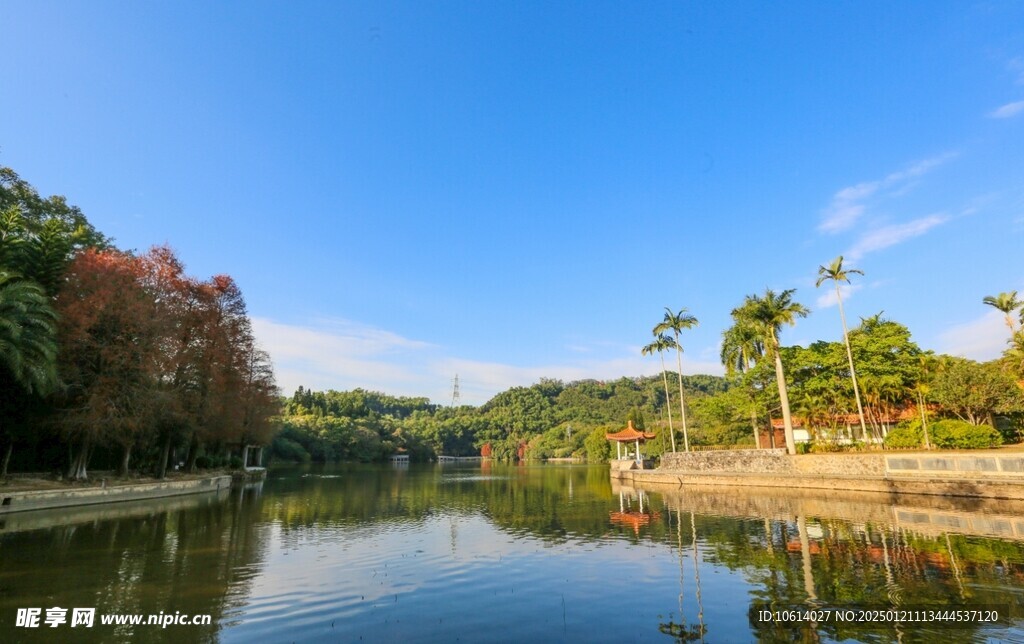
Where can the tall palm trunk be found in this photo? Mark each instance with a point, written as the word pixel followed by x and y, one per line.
pixel 682 403
pixel 753 404
pixel 668 401
pixel 849 356
pixel 780 377
pixel 924 420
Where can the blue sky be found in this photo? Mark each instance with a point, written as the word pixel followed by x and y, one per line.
pixel 506 191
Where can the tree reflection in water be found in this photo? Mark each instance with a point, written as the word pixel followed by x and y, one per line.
pixel 459 540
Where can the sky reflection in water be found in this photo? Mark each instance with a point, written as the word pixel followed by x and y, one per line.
pixel 500 553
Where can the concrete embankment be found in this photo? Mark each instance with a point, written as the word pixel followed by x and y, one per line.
pixel 24 500
pixel 928 515
pixel 995 474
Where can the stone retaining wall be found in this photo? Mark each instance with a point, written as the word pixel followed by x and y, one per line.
pixel 976 474
pixel 855 464
pixel 776 461
pixel 975 488
pixel 759 461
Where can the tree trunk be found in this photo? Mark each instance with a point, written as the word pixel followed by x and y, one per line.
pixel 682 403
pixel 668 401
pixel 753 425
pixel 123 471
pixel 7 459
pixel 787 420
pixel 193 453
pixel 849 355
pixel 162 471
pixel 924 421
pixel 79 464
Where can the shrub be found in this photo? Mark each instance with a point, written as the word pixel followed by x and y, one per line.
pixel 959 434
pixel 236 462
pixel 830 447
pixel 285 449
pixel 204 462
pixel 906 435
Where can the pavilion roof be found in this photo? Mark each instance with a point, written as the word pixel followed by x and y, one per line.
pixel 629 434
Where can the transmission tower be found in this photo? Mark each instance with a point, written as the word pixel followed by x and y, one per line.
pixel 455 391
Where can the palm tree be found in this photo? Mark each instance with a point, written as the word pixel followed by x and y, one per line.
pixel 28 346
pixel 676 322
pixel 742 348
pixel 1007 303
pixel 767 314
pixel 1014 356
pixel 837 273
pixel 661 344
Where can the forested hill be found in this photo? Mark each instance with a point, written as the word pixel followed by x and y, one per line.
pixel 551 418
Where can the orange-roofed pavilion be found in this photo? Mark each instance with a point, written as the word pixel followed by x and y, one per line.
pixel 629 435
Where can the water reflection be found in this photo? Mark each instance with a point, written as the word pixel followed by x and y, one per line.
pixel 488 552
pixel 627 515
pixel 840 551
pixel 193 554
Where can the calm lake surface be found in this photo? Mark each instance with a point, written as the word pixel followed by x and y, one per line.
pixel 505 553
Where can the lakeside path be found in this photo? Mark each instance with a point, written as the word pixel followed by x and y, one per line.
pixel 21 494
pixel 993 473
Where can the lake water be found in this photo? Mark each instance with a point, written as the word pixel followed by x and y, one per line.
pixel 505 553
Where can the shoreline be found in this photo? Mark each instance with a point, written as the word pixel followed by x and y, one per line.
pixel 64 496
pixel 983 474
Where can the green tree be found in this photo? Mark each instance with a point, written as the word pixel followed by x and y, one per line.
pixel 597 446
pixel 28 348
pixel 836 273
pixel 27 334
pixel 974 392
pixel 742 348
pixel 39 236
pixel 1013 357
pixel 676 322
pixel 889 365
pixel 661 344
pixel 1007 303
pixel 767 314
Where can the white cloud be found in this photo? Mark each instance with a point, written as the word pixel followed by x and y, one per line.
pixel 846 209
pixel 1008 110
pixel 847 205
pixel 343 355
pixel 829 299
pixel 981 339
pixel 340 355
pixel 887 236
